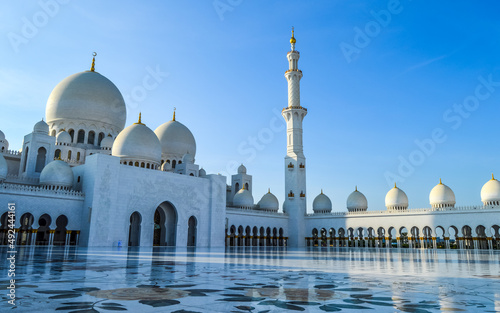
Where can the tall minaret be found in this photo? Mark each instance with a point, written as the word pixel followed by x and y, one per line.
pixel 295 161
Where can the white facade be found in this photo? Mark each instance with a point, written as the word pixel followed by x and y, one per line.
pixel 83 178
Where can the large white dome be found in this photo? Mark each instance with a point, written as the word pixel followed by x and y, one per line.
pixel 322 204
pixel 442 196
pixel 357 201
pixel 269 202
pixel 86 97
pixel 3 168
pixel 176 140
pixel 57 173
pixel 490 193
pixel 396 199
pixel 243 199
pixel 137 143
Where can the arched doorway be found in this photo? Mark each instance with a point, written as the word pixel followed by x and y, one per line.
pixel 43 233
pixel 24 236
pixel 60 234
pixel 191 242
pixel 134 232
pixel 40 159
pixel 165 225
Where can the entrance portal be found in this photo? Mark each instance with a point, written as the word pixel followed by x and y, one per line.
pixel 165 225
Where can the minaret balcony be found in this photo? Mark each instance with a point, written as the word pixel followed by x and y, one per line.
pixel 294 107
pixel 293 70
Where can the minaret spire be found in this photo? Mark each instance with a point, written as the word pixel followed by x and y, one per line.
pixel 92 68
pixel 295 161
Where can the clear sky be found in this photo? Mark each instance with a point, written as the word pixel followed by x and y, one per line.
pixel 404 91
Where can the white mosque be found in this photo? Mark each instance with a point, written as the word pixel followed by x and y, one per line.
pixel 83 178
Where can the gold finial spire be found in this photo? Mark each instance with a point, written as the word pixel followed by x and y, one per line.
pixel 321 190
pixel 395 185
pixel 440 181
pixel 243 187
pixel 92 68
pixel 173 119
pixel 492 176
pixel 139 122
pixel 292 40
pixel 356 188
pixel 268 190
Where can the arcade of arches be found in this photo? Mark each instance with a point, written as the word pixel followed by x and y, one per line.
pixel 44 235
pixel 454 237
pixel 262 237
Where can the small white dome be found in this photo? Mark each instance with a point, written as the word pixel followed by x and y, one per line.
pixel 490 193
pixel 63 138
pixel 396 199
pixel 269 202
pixel 137 143
pixel 176 140
pixel 322 204
pixel 242 169
pixel 442 196
pixel 87 97
pixel 166 167
pixel 188 159
pixel 57 173
pixel 41 128
pixel 243 198
pixel 3 168
pixel 202 173
pixel 357 201
pixel 107 142
pixel 4 144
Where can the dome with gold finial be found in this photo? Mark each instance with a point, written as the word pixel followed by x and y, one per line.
pixel 269 202
pixel 176 140
pixel 490 193
pixel 396 199
pixel 441 196
pixel 139 145
pixel 356 201
pixel 86 98
pixel 322 204
pixel 243 199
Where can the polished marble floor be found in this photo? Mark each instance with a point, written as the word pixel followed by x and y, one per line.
pixel 252 279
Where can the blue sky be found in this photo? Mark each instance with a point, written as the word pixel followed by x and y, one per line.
pixel 413 97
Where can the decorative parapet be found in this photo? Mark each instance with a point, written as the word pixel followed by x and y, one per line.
pixel 71 161
pixel 22 180
pixel 12 153
pixel 473 208
pixel 40 191
pixel 254 210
